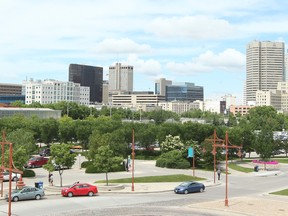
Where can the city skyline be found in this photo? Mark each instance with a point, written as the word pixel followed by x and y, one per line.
pixel 183 41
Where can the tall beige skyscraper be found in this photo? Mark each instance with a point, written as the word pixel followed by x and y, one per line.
pixel 120 77
pixel 264 67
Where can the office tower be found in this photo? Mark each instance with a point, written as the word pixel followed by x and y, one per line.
pixel 120 77
pixel 286 67
pixel 89 76
pixel 184 92
pixel 160 86
pixel 264 67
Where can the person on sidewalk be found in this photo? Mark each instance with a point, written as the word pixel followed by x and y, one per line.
pixel 219 173
pixel 51 179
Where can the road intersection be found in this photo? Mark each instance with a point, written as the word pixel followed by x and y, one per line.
pixel 248 192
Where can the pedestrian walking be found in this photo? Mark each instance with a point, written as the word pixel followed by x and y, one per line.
pixel 51 179
pixel 219 173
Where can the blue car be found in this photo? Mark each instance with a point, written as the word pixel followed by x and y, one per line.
pixel 189 187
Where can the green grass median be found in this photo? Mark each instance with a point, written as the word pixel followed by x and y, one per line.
pixel 282 192
pixel 153 179
pixel 240 168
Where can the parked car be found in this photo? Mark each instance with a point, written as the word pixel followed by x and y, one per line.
pixel 15 176
pixel 79 189
pixel 36 162
pixel 278 152
pixel 189 187
pixel 27 192
pixel 45 152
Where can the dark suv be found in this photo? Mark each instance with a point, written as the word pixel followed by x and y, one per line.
pixel 45 152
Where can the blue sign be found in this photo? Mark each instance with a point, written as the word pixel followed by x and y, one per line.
pixel 190 152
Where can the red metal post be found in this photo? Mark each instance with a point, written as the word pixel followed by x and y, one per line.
pixel 2 165
pixel 10 177
pixel 214 153
pixel 194 164
pixel 226 146
pixel 133 153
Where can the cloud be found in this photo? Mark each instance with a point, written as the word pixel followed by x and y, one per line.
pixel 124 45
pixel 193 27
pixel 229 60
pixel 149 67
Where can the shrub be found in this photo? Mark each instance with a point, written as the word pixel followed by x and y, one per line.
pixel 28 173
pixel 147 154
pixel 173 159
pixel 85 164
pixel 92 169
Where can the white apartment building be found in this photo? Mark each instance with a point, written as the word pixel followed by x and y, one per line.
pixel 53 91
pixel 181 106
pixel 120 77
pixel 212 106
pixel 264 67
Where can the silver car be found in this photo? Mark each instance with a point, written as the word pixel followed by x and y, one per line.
pixel 27 192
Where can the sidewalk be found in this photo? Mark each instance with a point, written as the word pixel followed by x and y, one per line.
pixel 256 206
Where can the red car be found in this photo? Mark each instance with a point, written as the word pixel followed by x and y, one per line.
pixel 36 162
pixel 79 189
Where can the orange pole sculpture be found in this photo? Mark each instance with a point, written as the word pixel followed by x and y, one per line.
pixel 10 169
pixel 223 144
pixel 226 146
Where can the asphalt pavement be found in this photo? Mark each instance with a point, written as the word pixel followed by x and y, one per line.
pixel 263 204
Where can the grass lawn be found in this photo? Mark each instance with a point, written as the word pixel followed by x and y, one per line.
pixel 282 192
pixel 234 166
pixel 151 179
pixel 282 160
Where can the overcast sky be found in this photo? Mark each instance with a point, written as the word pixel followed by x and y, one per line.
pixel 198 41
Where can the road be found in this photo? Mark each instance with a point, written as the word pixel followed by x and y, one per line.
pixel 148 204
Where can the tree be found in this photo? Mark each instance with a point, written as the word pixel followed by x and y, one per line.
pixel 264 143
pixel 146 135
pixel 96 140
pixel 104 161
pixel 49 130
pixel 66 129
pixel 172 143
pixel 259 116
pixel 83 131
pixel 60 159
pixel 23 144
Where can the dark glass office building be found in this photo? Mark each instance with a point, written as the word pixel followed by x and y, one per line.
pixel 184 92
pixel 88 76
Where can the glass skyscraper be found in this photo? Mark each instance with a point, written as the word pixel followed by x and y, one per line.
pixel 88 76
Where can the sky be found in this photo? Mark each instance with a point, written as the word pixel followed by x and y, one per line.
pixel 202 42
